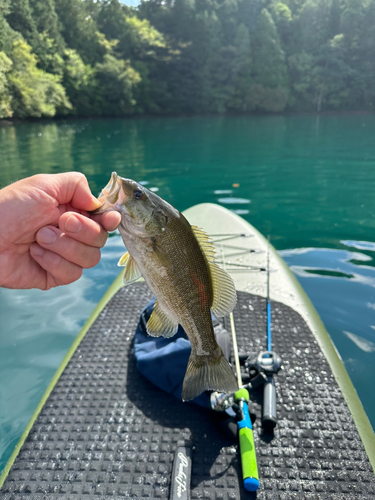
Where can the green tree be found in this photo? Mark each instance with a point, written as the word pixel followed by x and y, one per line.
pixel 20 19
pixel 49 57
pixel 35 92
pixel 243 80
pixel 7 34
pixel 79 28
pixel 46 21
pixel 367 48
pixel 79 83
pixel 116 80
pixel 312 26
pixel 282 16
pixel 37 22
pixel 270 90
pixel 5 97
pixel 186 56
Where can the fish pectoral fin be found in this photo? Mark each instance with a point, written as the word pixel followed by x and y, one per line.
pixel 160 324
pixel 132 272
pixel 123 259
pixel 162 256
pixel 205 243
pixel 225 296
pixel 205 373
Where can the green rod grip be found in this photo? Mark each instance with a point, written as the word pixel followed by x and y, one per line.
pixel 247 448
pixel 248 456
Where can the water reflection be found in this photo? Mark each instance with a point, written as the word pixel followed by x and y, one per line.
pixel 61 147
pixel 361 245
pixel 364 344
pixel 240 211
pixel 233 201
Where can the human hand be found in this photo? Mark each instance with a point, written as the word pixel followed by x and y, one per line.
pixel 46 235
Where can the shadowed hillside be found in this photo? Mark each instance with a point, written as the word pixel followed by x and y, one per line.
pixel 105 58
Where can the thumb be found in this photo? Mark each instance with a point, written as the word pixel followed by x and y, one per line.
pixel 73 188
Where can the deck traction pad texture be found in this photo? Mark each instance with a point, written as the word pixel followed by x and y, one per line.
pixel 106 432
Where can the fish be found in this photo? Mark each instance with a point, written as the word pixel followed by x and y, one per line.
pixel 177 262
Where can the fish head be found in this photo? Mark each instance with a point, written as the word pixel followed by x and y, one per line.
pixel 141 210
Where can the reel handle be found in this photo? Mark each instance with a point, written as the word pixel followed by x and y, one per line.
pixel 269 416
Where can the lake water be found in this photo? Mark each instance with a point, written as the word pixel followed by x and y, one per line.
pixel 307 181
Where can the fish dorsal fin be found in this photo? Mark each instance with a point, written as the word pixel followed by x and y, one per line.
pixel 132 272
pixel 225 296
pixel 205 243
pixel 160 324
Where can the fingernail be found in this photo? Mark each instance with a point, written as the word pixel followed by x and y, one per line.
pixel 73 224
pixel 46 236
pixel 37 250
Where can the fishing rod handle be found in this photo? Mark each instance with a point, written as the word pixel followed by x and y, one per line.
pixel 246 438
pixel 269 416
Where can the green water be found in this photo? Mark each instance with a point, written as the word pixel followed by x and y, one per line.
pixel 307 181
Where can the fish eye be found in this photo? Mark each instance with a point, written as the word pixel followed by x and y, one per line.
pixel 137 194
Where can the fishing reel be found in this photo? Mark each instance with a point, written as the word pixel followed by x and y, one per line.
pixel 265 364
pixel 227 412
pixel 261 371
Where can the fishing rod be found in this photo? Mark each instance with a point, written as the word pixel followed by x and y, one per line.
pixel 269 418
pixel 244 424
pixel 269 333
pixel 239 402
pixel 266 365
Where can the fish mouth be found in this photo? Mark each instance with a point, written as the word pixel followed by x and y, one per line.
pixel 109 195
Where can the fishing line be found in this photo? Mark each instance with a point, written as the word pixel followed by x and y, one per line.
pixel 240 267
pixel 269 332
pixel 235 350
pixel 229 236
pixel 233 331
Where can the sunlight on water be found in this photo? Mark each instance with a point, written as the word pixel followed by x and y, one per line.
pixel 233 201
pixel 364 344
pixel 240 211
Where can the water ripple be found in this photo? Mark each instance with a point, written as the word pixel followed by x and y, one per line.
pixel 360 245
pixel 233 201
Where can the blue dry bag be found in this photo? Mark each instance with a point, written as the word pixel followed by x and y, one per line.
pixel 164 360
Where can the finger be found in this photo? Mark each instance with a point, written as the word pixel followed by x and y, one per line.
pixel 51 238
pixel 83 229
pixel 109 220
pixel 62 271
pixel 69 187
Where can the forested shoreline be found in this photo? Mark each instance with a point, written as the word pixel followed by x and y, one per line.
pixel 173 57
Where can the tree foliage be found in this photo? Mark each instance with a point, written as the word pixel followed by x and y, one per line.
pixel 34 91
pixel 5 97
pixel 102 57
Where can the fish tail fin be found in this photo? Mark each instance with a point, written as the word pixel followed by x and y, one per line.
pixel 207 373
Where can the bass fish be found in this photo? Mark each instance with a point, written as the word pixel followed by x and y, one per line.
pixel 177 262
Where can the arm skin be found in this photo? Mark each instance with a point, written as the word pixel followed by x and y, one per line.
pixel 46 235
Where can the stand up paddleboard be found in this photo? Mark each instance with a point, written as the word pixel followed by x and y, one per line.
pixel 103 431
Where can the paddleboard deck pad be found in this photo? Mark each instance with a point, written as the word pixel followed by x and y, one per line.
pixel 107 432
